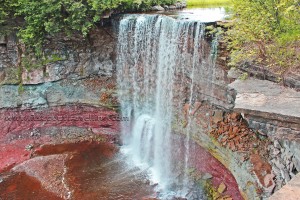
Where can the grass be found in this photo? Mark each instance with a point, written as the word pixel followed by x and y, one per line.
pixel 207 3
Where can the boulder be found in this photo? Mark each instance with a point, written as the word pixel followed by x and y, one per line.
pixel 172 7
pixel 157 8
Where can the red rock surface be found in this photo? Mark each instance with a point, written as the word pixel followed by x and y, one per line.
pixel 49 171
pixel 220 173
pixel 18 136
pixel 81 170
pixel 204 163
pixel 80 116
pixel 70 126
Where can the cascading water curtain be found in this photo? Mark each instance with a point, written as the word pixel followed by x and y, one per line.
pixel 154 54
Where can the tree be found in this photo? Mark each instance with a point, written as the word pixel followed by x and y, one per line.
pixel 265 31
pixel 49 17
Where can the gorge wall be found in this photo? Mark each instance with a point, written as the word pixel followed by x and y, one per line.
pixel 252 126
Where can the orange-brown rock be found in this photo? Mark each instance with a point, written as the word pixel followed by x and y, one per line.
pixel 261 169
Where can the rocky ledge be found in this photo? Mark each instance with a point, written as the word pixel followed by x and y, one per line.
pixel 271 109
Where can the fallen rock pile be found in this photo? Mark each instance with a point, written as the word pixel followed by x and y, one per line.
pixel 232 132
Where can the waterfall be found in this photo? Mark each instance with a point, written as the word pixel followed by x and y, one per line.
pixel 157 58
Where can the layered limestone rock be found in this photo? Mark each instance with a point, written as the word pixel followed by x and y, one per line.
pixel 269 108
pixel 274 112
pixel 74 58
pixel 95 91
pixel 289 77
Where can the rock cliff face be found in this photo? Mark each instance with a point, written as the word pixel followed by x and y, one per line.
pixel 77 58
pixel 274 112
pixel 84 76
pixel 72 97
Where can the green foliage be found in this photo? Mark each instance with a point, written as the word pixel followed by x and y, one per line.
pixel 7 8
pixel 30 62
pixel 21 89
pixel 244 76
pixel 207 3
pixel 35 19
pixel 267 31
pixel 49 17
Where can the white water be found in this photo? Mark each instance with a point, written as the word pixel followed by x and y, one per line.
pixel 154 53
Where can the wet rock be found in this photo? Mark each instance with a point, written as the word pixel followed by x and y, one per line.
pixel 49 171
pixel 16 135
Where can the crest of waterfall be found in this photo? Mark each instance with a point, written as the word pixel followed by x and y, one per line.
pixel 157 57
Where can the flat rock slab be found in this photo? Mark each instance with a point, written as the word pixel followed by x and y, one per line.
pixel 267 99
pixel 291 191
pixel 50 171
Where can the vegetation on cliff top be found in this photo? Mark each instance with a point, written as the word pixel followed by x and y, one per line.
pixel 49 17
pixel 266 32
pixel 208 3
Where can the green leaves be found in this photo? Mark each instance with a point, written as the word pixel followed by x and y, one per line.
pixel 264 31
pixel 49 17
